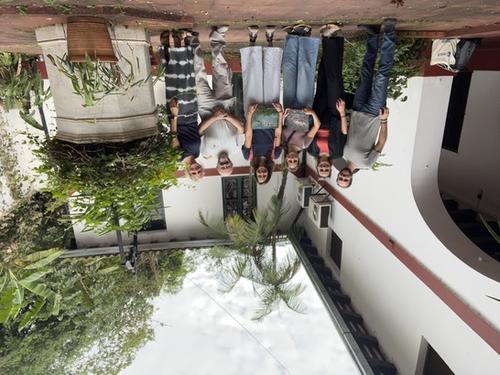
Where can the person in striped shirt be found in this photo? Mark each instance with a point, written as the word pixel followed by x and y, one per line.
pixel 181 98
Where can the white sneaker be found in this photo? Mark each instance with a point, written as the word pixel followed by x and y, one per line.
pixel 329 30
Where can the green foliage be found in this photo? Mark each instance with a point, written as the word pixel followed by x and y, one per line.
pixel 24 297
pixel 249 236
pixel 104 323
pixel 255 258
pixel 19 81
pixel 30 225
pixel 33 223
pixel 9 166
pixel 94 80
pixel 111 180
pixel 405 65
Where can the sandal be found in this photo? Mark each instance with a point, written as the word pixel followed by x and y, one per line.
pixel 253 30
pixel 270 29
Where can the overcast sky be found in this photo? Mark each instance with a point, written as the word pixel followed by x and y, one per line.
pixel 206 331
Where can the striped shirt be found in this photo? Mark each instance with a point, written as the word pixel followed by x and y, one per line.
pixel 180 83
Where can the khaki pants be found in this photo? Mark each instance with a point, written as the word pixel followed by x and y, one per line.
pixel 221 92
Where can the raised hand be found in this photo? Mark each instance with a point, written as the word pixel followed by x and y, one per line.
pixel 309 111
pixel 340 105
pixel 251 109
pixel 277 106
pixel 174 106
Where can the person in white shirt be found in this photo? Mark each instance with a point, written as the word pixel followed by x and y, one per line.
pixel 222 133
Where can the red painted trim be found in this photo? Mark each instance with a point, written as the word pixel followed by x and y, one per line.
pixel 469 316
pixel 236 171
pixel 213 171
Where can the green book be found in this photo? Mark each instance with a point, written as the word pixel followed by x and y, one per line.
pixel 265 117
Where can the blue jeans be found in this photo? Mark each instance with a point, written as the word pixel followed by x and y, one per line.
pixel 299 67
pixel 371 94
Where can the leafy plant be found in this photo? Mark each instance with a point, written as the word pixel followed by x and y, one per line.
pixel 94 80
pixel 256 260
pixel 405 65
pixel 20 83
pixel 103 322
pixel 33 223
pixel 249 236
pixel 24 298
pixel 109 182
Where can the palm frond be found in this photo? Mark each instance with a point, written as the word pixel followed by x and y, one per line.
pixel 217 228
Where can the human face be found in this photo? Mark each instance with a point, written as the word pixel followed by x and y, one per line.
pixel 292 160
pixel 262 174
pixel 195 171
pixel 224 165
pixel 344 178
pixel 324 168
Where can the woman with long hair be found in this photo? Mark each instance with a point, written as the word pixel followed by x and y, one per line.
pixel 261 71
pixel 299 67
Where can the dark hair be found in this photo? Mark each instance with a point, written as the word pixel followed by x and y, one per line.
pixel 298 161
pixel 329 161
pixel 350 181
pixel 269 166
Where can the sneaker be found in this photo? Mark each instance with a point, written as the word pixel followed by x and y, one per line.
pixel 221 29
pixel 389 25
pixel 253 30
pixel 191 38
pixel 329 30
pixel 287 29
pixel 178 36
pixel 218 33
pixel 299 28
pixel 270 29
pixel 302 30
pixel 370 29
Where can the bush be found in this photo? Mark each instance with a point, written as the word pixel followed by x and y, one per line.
pixel 111 181
pixel 33 223
pixel 405 65
pixel 18 80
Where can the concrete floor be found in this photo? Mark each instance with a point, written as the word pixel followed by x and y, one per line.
pixel 18 19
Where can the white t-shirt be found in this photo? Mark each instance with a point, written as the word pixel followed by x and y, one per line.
pixel 221 136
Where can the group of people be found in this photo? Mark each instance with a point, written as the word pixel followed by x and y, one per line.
pixel 313 115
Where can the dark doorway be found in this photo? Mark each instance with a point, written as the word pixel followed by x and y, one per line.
pixel 336 248
pixel 456 111
pixel 239 195
pixel 434 364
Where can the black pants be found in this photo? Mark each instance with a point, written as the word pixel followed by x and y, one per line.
pixel 330 84
pixel 329 88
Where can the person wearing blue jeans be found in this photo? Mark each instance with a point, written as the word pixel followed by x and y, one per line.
pixel 298 68
pixel 367 131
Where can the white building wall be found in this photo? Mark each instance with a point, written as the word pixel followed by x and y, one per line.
pixel 22 150
pixel 398 308
pixel 475 167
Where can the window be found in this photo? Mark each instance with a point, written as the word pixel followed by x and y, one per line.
pixel 157 221
pixel 456 111
pixel 432 362
pixel 239 195
pixel 336 248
